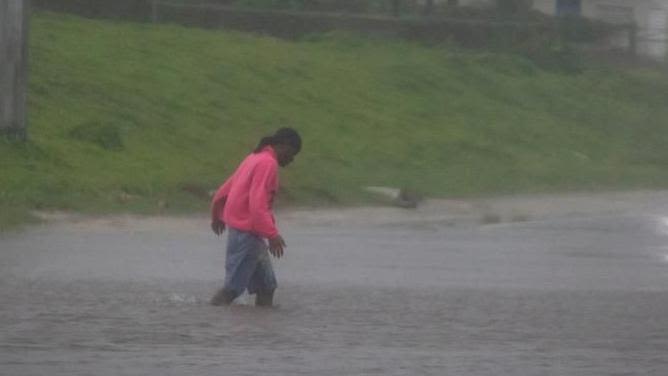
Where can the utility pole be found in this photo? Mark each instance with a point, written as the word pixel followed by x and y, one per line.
pixel 14 26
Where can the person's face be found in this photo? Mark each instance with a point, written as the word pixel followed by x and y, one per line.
pixel 285 154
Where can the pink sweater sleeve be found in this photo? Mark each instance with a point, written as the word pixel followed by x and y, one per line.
pixel 222 191
pixel 218 201
pixel 263 187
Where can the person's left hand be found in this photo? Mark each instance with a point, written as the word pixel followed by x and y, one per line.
pixel 217 226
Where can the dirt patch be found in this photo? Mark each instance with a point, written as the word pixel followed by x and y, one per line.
pixel 450 212
pixel 492 210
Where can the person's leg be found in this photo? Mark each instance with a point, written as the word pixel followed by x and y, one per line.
pixel 264 298
pixel 240 264
pixel 223 297
pixel 263 281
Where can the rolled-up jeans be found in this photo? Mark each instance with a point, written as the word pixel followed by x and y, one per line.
pixel 247 264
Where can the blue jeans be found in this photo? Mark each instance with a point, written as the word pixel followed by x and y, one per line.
pixel 247 264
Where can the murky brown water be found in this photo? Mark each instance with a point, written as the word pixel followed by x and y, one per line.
pixel 577 296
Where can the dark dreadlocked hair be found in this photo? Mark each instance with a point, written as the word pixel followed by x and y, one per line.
pixel 286 136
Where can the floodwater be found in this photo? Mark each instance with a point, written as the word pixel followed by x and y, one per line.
pixel 583 295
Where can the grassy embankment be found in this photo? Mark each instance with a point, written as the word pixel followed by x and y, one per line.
pixel 123 117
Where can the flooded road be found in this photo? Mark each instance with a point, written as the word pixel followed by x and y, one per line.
pixel 438 291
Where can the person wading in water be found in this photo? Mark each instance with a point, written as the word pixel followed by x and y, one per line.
pixel 243 204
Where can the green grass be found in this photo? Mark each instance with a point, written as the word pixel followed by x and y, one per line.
pixel 136 117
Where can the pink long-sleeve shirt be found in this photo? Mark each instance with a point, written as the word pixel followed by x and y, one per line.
pixel 249 195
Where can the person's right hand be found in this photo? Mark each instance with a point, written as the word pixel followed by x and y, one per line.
pixel 217 226
pixel 276 246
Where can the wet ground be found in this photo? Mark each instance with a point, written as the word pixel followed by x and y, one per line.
pixel 571 285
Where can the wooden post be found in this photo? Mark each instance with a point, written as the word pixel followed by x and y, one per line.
pixel 429 8
pixel 14 26
pixel 154 11
pixel 633 40
pixel 395 8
